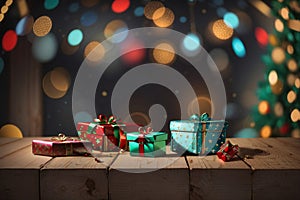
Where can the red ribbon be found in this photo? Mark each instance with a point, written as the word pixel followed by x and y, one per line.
pixel 102 119
pixel 141 138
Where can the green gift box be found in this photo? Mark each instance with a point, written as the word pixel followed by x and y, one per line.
pixel 151 144
pixel 199 135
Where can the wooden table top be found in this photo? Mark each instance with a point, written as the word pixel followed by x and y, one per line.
pixel 271 170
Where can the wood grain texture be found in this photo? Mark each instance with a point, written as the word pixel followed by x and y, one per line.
pixel 211 178
pixel 5 140
pixel 19 172
pixel 25 97
pixel 149 178
pixel 79 178
pixel 276 168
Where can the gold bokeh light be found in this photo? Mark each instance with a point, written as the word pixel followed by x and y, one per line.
pixel 221 30
pixel 273 77
pixel 263 107
pixel 279 25
pixel 42 26
pixel 151 7
pixel 164 53
pixel 165 20
pixel 291 96
pixel 94 51
pixel 278 55
pixel 295 115
pixel 265 131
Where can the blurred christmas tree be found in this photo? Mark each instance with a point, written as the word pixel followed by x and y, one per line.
pixel 277 113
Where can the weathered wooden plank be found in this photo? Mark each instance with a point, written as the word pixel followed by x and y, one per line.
pixel 19 172
pixel 276 169
pixel 211 178
pixel 15 145
pixel 5 140
pixel 79 178
pixel 149 178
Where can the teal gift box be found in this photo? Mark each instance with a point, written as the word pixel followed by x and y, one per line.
pixel 199 135
pixel 147 143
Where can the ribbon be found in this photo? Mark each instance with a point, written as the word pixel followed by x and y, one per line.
pixel 61 138
pixel 102 119
pixel 203 119
pixel 141 138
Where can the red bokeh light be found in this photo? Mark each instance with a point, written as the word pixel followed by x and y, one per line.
pixel 261 36
pixel 136 52
pixel 119 6
pixel 9 40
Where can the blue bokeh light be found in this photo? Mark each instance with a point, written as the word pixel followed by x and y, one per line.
pixel 75 37
pixel 88 18
pixel 44 48
pixel 231 20
pixel 74 7
pixel 50 4
pixel 238 47
pixel 139 11
pixel 247 133
pixel 221 11
pixel 183 19
pixel 24 26
pixel 191 42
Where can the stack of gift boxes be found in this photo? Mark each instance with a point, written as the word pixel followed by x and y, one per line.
pixel 199 135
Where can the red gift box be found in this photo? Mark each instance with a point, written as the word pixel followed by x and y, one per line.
pixel 56 147
pixel 228 151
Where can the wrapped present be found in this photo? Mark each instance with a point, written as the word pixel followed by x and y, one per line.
pixel 61 146
pixel 103 133
pixel 198 135
pixel 147 143
pixel 228 151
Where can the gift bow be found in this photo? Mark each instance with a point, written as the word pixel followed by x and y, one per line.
pixel 204 117
pixel 141 138
pixel 102 119
pixel 61 138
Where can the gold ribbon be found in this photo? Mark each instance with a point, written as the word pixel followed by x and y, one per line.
pixel 61 138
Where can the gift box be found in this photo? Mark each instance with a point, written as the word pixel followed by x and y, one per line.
pixel 105 134
pixel 61 146
pixel 228 151
pixel 198 135
pixel 147 143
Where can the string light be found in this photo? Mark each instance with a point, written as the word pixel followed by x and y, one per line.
pixel 4 9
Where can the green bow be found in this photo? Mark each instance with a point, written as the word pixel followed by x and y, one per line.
pixel 204 117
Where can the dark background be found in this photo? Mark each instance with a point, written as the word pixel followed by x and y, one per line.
pixel 240 79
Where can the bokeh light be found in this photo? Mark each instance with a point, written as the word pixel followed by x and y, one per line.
pixel 9 40
pixel 115 27
pixel 49 89
pixel 132 57
pixel 291 78
pixel 24 26
pixel 51 4
pixel 10 130
pixel 1 17
pixel 238 47
pixel 1 65
pixel 273 40
pixel 151 7
pixel 104 93
pixel 273 77
pixel 221 11
pixel 165 20
pixel 220 57
pixel 278 109
pixel 94 51
pixel 294 24
pixel 231 20
pixel 139 11
pixel 297 83
pixel 263 107
pixel 265 131
pixel 183 19
pixel 292 65
pixel 163 53
pixel 83 117
pixel 44 48
pixel 279 25
pixel 295 115
pixel 23 8
pixel 60 79
pixel 68 49
pixel 191 45
pixel 221 30
pixel 119 6
pixel 88 18
pixel 42 26
pixel 291 96
pixel 284 13
pixel 4 9
pixel 278 55
pixel 261 36
pixel 8 2
pixel 75 37
pixel 290 49
pixel 246 133
pixel 277 87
